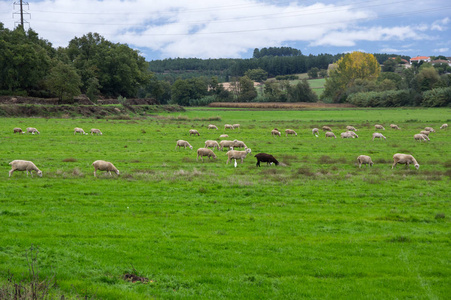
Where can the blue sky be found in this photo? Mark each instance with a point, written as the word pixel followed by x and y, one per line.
pixel 233 29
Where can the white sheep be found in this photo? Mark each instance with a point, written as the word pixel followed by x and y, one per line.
pixel 425 132
pixel 275 132
pixel 330 134
pixel 429 129
pixel 95 131
pixel 18 130
pixel 235 126
pixel 444 126
pixel 212 143
pixel 193 131
pixel 406 159
pixel 353 134
pixel 364 160
pixel 224 135
pixel 315 132
pixel 239 144
pixel 378 135
pixel 351 128
pixel 394 126
pixel 346 135
pixel 228 126
pixel 235 154
pixel 421 137
pixel 290 131
pixel 211 126
pixel 205 152
pixel 327 128
pixel 32 130
pixel 79 130
pixel 377 126
pixel 227 144
pixel 102 165
pixel 24 165
pixel 184 144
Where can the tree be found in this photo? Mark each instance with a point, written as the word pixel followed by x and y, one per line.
pixel 301 92
pixel 313 72
pixel 352 66
pixel 258 75
pixel 63 81
pixel 427 78
pixel 247 91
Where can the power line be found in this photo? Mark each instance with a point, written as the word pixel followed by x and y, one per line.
pixel 21 13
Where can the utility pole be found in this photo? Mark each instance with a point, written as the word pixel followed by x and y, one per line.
pixel 21 4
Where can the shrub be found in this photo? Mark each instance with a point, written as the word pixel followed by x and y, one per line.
pixel 437 97
pixel 383 99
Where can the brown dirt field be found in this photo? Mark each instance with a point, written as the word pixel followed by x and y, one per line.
pixel 279 105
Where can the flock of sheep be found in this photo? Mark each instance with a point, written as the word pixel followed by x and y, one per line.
pixel 101 165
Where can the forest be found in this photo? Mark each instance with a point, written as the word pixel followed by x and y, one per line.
pixel 91 65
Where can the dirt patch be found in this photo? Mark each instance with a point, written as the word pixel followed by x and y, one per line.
pixel 135 278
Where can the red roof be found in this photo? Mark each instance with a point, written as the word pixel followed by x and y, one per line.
pixel 420 58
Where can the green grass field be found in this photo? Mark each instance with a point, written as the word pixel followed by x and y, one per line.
pixel 317 227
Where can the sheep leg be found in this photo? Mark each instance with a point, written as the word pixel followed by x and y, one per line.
pixel 95 172
pixel 258 163
pixel 394 164
pixel 109 172
pixel 11 171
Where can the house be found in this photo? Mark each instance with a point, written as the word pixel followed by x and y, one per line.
pixel 441 61
pixel 420 58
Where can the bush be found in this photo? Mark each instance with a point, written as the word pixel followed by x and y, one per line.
pixel 383 99
pixel 437 97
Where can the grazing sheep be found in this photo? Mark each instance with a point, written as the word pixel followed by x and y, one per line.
pixel 406 159
pixel 364 160
pixel 353 134
pixel 290 131
pixel 378 135
pixel 235 126
pixel 211 143
pixel 351 128
pixel 205 152
pixel 346 135
pixel 327 128
pixel 315 132
pixel 421 137
pixel 377 126
pixel 211 126
pixel 429 129
pixel 444 126
pixel 224 135
pixel 96 131
pixel 394 126
pixel 193 131
pixel 239 144
pixel 79 130
pixel 228 126
pixel 24 165
pixel 330 134
pixel 184 144
pixel 425 132
pixel 32 130
pixel 18 130
pixel 227 144
pixel 267 158
pixel 275 132
pixel 102 165
pixel 235 154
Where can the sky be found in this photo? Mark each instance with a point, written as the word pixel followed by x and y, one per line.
pixel 233 29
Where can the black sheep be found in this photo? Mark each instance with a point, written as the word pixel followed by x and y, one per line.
pixel 267 158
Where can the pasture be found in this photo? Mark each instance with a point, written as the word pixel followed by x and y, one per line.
pixel 315 227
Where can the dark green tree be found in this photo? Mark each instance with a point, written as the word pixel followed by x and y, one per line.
pixel 63 81
pixel 258 75
pixel 247 91
pixel 313 72
pixel 301 92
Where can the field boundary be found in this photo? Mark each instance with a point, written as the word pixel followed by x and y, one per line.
pixel 283 105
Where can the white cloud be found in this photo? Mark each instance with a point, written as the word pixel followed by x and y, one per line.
pixel 440 25
pixel 441 50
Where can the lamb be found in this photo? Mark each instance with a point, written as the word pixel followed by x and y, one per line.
pixel 327 128
pixel 224 135
pixel 211 126
pixel 425 132
pixel 228 126
pixel 275 132
pixel 429 129
pixel 184 144
pixel 315 132
pixel 406 159
pixel 205 152
pixel 227 144
pixel 79 130
pixel 378 135
pixel 104 166
pixel 444 126
pixel 394 126
pixel 330 134
pixel 235 154
pixel 211 143
pixel 18 130
pixel 267 158
pixel 421 137
pixel 96 131
pixel 364 160
pixel 351 128
pixel 193 131
pixel 377 126
pixel 290 131
pixel 235 126
pixel 24 165
pixel 32 130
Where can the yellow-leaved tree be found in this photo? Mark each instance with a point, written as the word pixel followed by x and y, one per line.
pixel 352 66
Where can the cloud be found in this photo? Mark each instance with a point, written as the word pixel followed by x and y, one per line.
pixel 441 50
pixel 440 25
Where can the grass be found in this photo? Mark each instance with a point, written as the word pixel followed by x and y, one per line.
pixel 318 227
